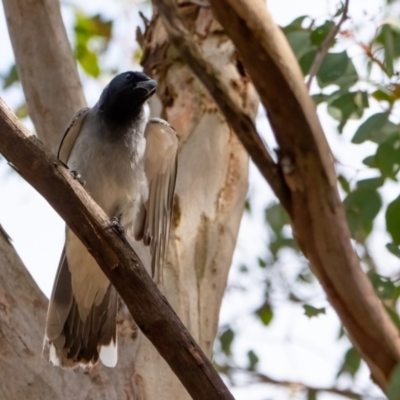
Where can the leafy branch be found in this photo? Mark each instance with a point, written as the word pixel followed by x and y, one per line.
pixel 326 44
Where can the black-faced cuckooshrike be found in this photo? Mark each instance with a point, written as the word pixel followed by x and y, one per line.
pixel 129 166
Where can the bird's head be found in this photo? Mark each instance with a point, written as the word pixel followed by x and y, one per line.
pixel 123 98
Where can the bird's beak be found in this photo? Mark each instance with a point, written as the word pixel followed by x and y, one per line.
pixel 148 86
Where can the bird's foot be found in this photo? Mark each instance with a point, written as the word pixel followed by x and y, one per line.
pixel 115 224
pixel 78 177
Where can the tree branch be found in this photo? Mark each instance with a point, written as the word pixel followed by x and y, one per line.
pixel 298 386
pixel 148 306
pixel 326 44
pixel 227 98
pixel 46 66
pixel 318 219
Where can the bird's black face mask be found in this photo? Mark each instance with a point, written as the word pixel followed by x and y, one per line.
pixel 122 100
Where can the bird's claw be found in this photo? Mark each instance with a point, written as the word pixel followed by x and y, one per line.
pixel 115 224
pixel 78 177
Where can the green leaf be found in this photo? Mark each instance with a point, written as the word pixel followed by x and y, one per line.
pixel 311 311
pixel 332 68
pixel 265 314
pixel 320 98
pixel 384 94
pixel 348 105
pixel 383 286
pixel 337 69
pixel 371 183
pixel 394 249
pixel 344 183
pixel 280 242
pixel 262 263
pixel 92 35
pixel 226 340
pixel 349 78
pixel 253 360
pixel 342 332
pixel 243 268
pixel 387 157
pixel 362 206
pixel 370 162
pixel 388 45
pixel 390 28
pixel 89 26
pixel 276 217
pixel 393 316
pixel 306 61
pixel 88 61
pixel 393 220
pixel 351 363
pixel 319 34
pixel 339 10
pixel 376 128
pixel 311 394
pixel 22 111
pixel 299 42
pixel 306 277
pixel 11 77
pixel 393 388
pixel 295 25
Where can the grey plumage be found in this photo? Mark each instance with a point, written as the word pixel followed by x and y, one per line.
pixel 129 167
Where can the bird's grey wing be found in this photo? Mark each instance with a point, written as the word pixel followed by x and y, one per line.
pixel 71 134
pixel 60 300
pixel 160 165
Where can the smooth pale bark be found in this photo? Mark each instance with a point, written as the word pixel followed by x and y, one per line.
pixel 210 192
pixel 45 66
pixel 211 189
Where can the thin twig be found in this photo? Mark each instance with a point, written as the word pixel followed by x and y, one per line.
pixel 259 377
pixel 326 44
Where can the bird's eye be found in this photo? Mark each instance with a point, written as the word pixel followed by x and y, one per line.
pixel 128 76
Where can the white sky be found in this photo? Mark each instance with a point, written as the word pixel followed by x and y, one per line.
pixel 294 347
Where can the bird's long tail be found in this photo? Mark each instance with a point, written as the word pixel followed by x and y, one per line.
pixel 73 341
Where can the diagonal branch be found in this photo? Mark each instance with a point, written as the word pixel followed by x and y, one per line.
pixel 148 306
pixel 326 44
pixel 298 386
pixel 317 214
pixel 227 99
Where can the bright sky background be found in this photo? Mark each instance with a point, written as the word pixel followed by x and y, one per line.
pixel 294 347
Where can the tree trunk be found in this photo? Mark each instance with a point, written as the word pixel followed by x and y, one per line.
pixel 211 189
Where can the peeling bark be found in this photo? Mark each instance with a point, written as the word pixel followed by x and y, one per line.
pixel 210 192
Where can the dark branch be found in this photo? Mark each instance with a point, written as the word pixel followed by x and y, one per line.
pixel 326 44
pixel 149 308
pixel 227 99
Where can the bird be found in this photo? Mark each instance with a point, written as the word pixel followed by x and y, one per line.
pixel 128 164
